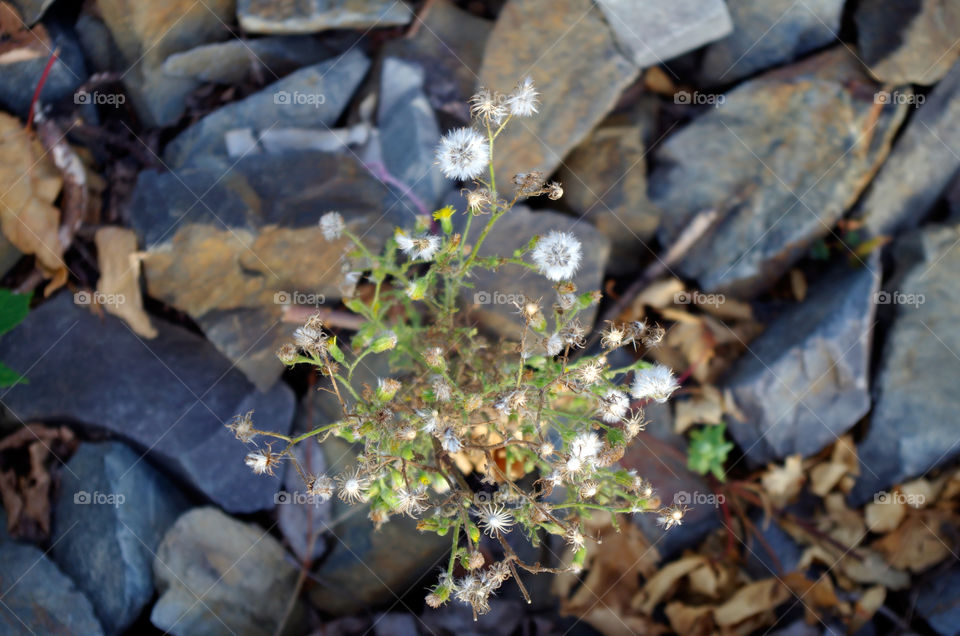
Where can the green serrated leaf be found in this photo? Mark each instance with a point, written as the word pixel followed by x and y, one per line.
pixel 13 309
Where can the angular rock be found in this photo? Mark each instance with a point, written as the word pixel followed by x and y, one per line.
pixel 803 382
pixel 921 164
pixel 908 41
pixel 786 552
pixel 301 517
pixel 233 61
pixel 147 33
pixel 367 567
pixel 449 47
pixel 38 598
pixel 233 246
pixel 579 73
pixel 19 79
pixel 780 160
pixel 408 132
pixel 217 575
pixel 605 182
pixel 938 602
pixel 170 396
pixel 913 426
pixel 31 10
pixel 311 97
pixel 111 512
pixel 311 16
pixel 769 33
pixel 652 33
pixel 493 293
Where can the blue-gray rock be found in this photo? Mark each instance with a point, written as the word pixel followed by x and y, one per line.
pixel 408 132
pixel 32 10
pixel 310 16
pixel 18 80
pixel 768 33
pixel 109 517
pixel 780 159
pixel 217 575
pixel 303 518
pixel 170 396
pixel 908 41
pixel 234 61
pixel 313 97
pixel 232 245
pixel 147 33
pixel 913 426
pixel 938 602
pixel 652 33
pixel 786 553
pixel 921 164
pixel 38 598
pixel 804 381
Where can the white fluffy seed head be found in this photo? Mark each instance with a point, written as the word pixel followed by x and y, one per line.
pixel 331 224
pixel 523 101
pixel 463 154
pixel 557 255
pixel 656 383
pixel 613 406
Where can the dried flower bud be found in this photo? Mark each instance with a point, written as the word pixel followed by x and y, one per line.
pixel 310 339
pixel 475 560
pixel 242 427
pixel 654 336
pixel 472 403
pixel 434 358
pixel 387 388
pixel 262 461
pixel 554 191
pixel 287 354
pixel 384 342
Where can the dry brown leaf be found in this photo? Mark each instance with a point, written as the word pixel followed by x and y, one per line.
pixel 915 544
pixel 17 42
pixel 798 284
pixel 658 295
pixel 884 516
pixel 660 584
pixel 814 595
pixel 657 81
pixel 31 183
pixel 729 309
pixel 750 600
pixel 919 493
pixel 869 569
pixel 824 476
pixel 689 619
pixel 119 283
pixel 704 407
pixel 866 607
pixel 783 483
pixel 842 524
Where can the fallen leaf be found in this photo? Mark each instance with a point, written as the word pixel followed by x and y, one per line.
pixel 658 295
pixel 660 584
pixel 688 619
pixel 783 483
pixel 750 600
pixel 704 407
pixel 866 607
pixel 119 283
pixel 798 284
pixel 884 516
pixel 914 545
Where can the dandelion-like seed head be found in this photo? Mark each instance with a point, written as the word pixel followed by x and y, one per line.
pixel 575 538
pixel 494 519
pixel 613 406
pixel 331 225
pixel 523 101
pixel 242 427
pixel 585 445
pixel 590 372
pixel 463 154
pixel 613 336
pixel 670 517
pixel 353 486
pixel 411 502
pixel 478 201
pixel 656 383
pixel 321 487
pixel 310 339
pixel 262 461
pixel 554 345
pixel 488 105
pixel 451 442
pixel 557 255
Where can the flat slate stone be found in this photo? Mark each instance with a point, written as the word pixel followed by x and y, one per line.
pixel 310 16
pixel 32 10
pixel 921 164
pixel 780 159
pixel 110 514
pixel 233 61
pixel 768 33
pixel 38 598
pixel 913 428
pixel 169 397
pixel 567 48
pixel 938 602
pixel 804 381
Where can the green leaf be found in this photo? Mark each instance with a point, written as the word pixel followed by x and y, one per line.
pixel 708 450
pixel 335 351
pixel 9 377
pixel 13 309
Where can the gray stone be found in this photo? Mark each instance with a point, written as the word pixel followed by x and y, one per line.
pixel 938 602
pixel 147 33
pixel 913 426
pixel 109 517
pixel 494 291
pixel 18 80
pixel 760 563
pixel 605 182
pixel 780 159
pixel 769 33
pixel 803 382
pixel 367 567
pixel 302 518
pixel 908 41
pixel 408 132
pixel 32 10
pixel 234 61
pixel 654 32
pixel 567 48
pixel 311 97
pixel 455 617
pixel 310 16
pixel 169 396
pixel 217 575
pixel 449 47
pixel 38 598
pixel 232 245
pixel 921 164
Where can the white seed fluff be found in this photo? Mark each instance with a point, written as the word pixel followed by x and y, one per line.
pixel 613 406
pixel 494 519
pixel 557 255
pixel 331 224
pixel 523 102
pixel 656 383
pixel 463 154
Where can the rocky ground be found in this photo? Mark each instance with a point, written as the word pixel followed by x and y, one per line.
pixel 773 181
